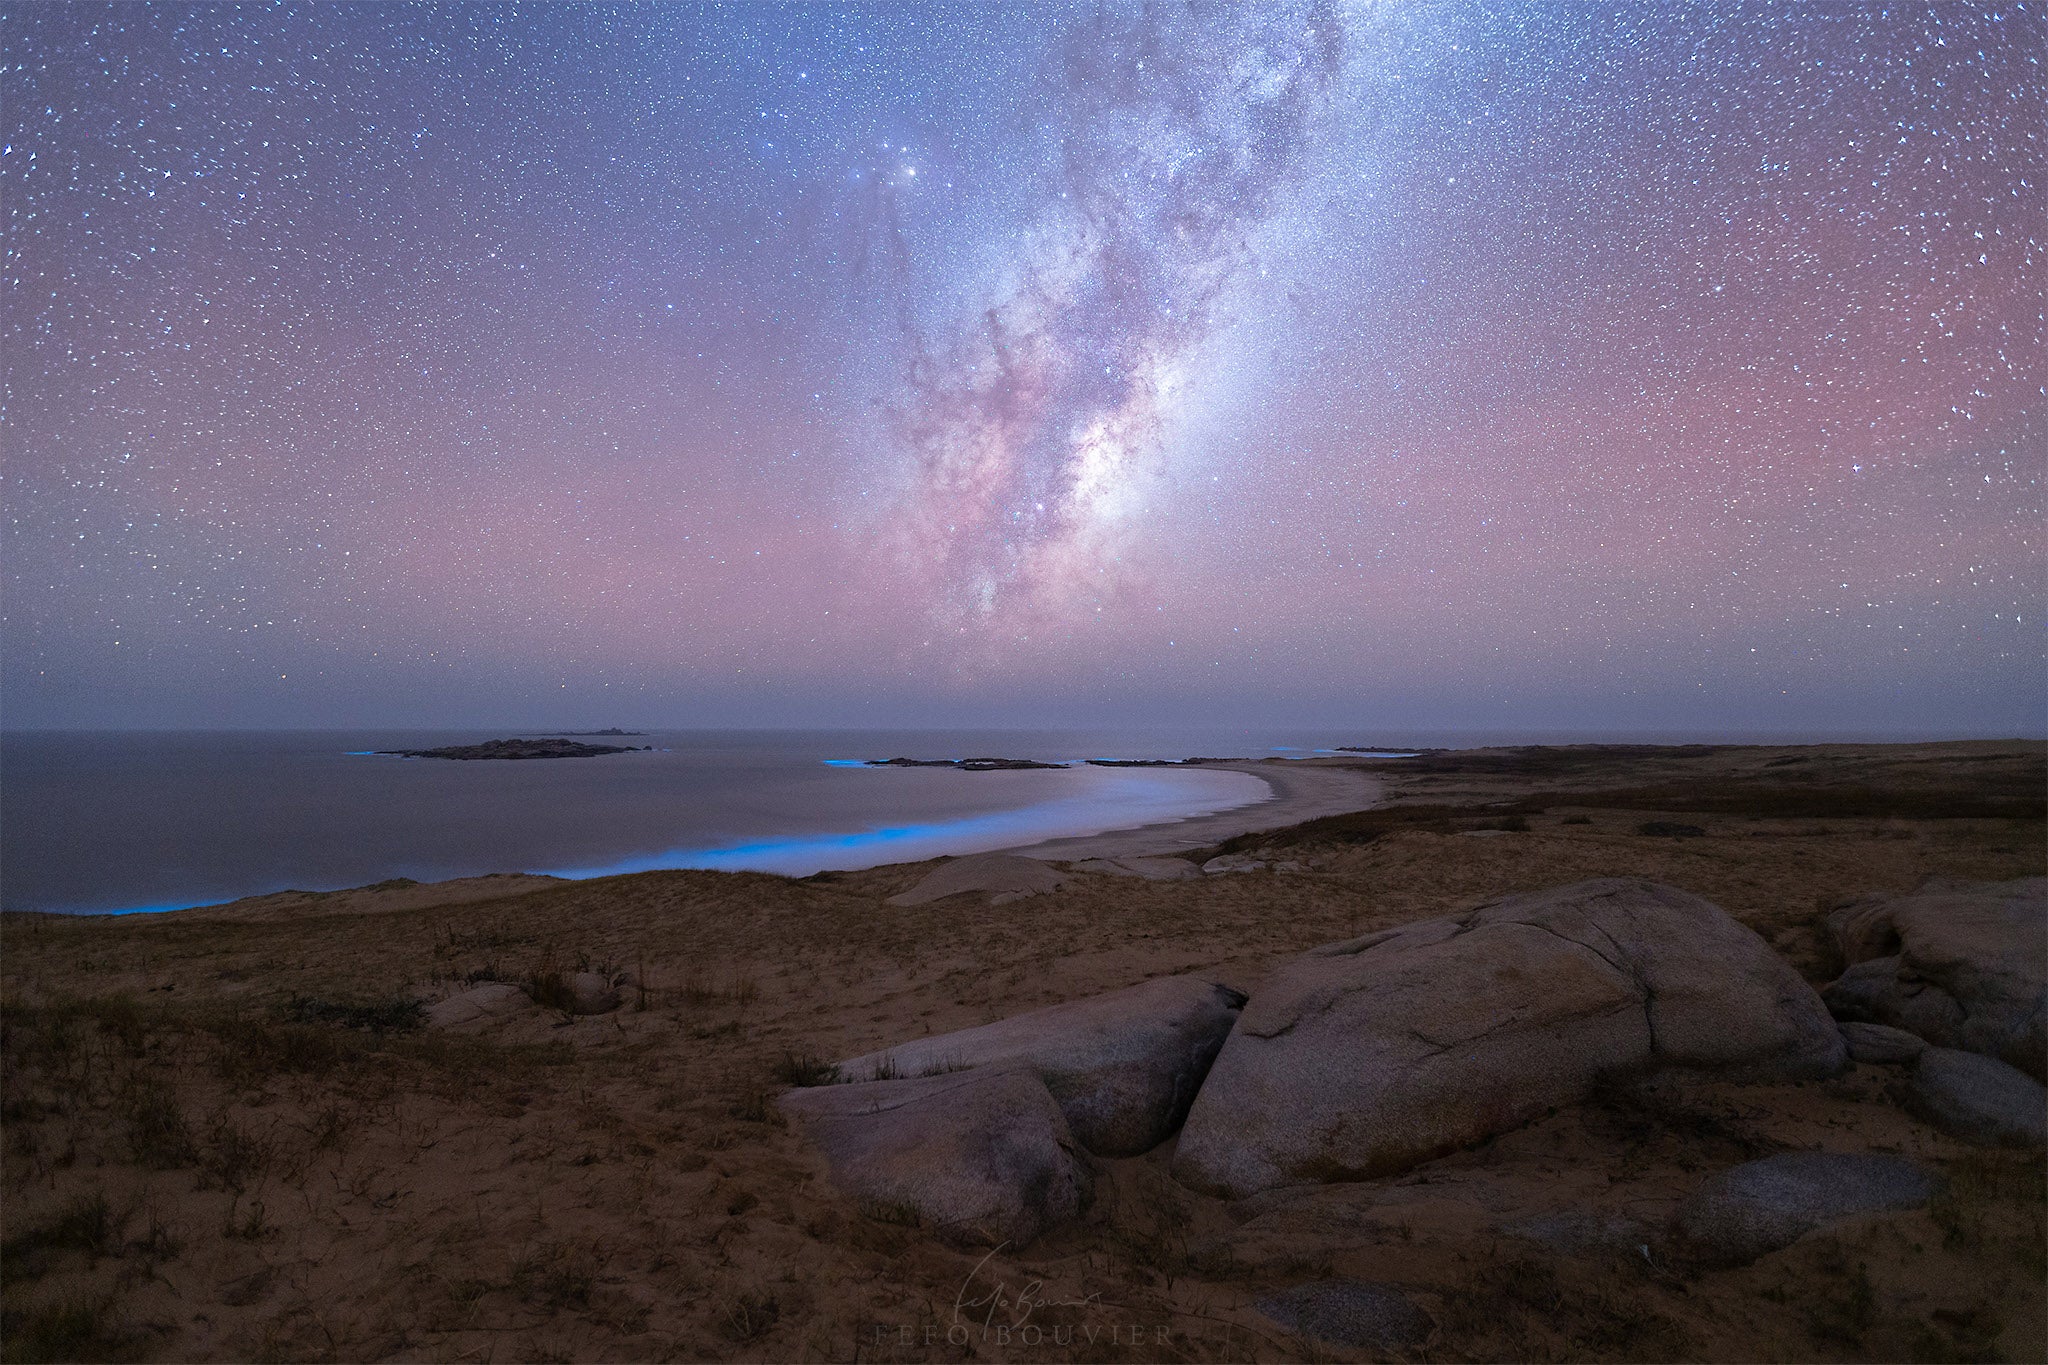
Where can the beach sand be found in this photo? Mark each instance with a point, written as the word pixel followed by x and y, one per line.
pixel 202 1160
pixel 1303 789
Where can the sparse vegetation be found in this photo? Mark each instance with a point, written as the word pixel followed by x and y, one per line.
pixel 751 1315
pixel 397 1015
pixel 84 1223
pixel 76 1327
pixel 804 1068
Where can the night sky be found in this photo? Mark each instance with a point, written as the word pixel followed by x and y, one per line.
pixel 1407 364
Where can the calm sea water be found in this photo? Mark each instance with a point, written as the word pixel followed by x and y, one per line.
pixel 124 821
pixel 113 821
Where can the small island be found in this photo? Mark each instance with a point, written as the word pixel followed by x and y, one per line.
pixel 519 748
pixel 1158 762
pixel 965 765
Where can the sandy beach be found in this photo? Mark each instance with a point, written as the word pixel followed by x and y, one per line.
pixel 1303 789
pixel 229 1138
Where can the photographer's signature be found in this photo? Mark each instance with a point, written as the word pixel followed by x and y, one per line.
pixel 999 1314
pixel 1019 1306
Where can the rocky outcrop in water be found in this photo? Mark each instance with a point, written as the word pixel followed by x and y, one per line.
pixel 965 765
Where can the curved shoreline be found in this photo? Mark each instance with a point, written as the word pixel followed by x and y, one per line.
pixel 1302 789
pixel 1297 790
pixel 989 832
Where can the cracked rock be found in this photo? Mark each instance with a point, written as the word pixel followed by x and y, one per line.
pixel 1364 1058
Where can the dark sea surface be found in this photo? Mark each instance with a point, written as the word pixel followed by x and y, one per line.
pixel 153 820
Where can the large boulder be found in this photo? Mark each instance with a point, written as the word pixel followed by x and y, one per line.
pixel 1124 1066
pixel 1002 877
pixel 1750 1210
pixel 980 1156
pixel 1961 964
pixel 1367 1057
pixel 1979 1099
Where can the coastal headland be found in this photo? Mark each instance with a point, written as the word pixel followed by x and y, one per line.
pixel 609 1119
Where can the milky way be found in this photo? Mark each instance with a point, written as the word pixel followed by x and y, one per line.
pixel 1624 367
pixel 1033 424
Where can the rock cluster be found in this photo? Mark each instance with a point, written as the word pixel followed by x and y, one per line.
pixel 1368 1057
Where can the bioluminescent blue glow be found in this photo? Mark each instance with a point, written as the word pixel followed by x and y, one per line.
pixel 1118 799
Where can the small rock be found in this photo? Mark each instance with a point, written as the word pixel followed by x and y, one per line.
pixel 590 993
pixel 1005 877
pixel 1667 829
pixel 980 1156
pixel 1753 1209
pixel 492 1000
pixel 1352 1313
pixel 1979 1099
pixel 1232 862
pixel 1881 1045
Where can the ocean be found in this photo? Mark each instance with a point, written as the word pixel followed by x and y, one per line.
pixel 131 821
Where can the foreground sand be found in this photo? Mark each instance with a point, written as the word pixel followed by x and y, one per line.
pixel 203 1160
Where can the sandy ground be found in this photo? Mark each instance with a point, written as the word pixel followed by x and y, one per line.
pixel 1303 789
pixel 208 1156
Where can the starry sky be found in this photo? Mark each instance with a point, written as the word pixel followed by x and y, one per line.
pixel 1395 364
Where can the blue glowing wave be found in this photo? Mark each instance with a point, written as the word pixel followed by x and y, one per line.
pixel 1132 800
